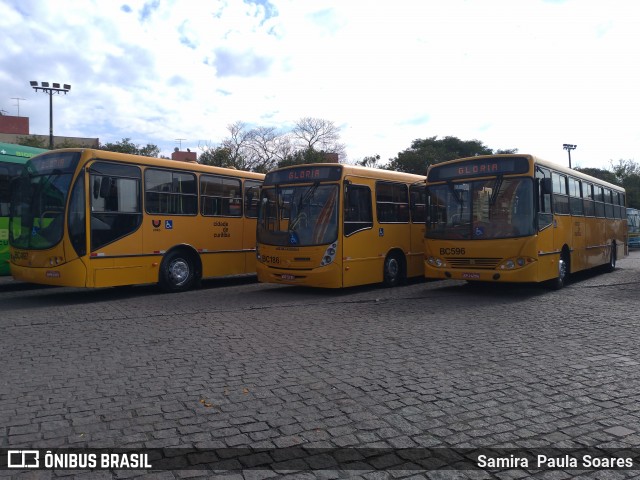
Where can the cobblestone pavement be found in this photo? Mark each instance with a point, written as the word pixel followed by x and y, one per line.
pixel 240 364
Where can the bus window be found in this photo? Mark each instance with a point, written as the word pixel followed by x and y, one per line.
pixel 357 209
pixel 115 202
pixel 251 198
pixel 589 206
pixel 392 202
pixel 560 198
pixel 220 196
pixel 170 192
pixel 599 198
pixel 418 196
pixel 575 197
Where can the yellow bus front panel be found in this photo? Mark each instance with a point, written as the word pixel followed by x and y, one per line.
pixel 300 266
pixel 70 274
pixel 515 260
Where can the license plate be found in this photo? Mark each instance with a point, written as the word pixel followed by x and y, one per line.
pixel 286 276
pixel 471 276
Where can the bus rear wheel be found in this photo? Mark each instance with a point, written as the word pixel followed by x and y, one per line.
pixel 611 266
pixel 393 273
pixel 177 272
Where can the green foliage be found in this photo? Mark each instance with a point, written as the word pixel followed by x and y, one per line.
pixel 300 157
pixel 126 146
pixel 429 151
pixel 600 173
pixel 371 162
pixel 217 157
pixel 625 173
pixel 33 141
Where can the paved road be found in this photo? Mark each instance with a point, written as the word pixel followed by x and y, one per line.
pixel 440 365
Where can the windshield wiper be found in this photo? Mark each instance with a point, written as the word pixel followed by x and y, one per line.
pixel 304 201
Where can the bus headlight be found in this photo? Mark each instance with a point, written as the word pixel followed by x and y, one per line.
pixel 436 262
pixel 329 254
pixel 515 263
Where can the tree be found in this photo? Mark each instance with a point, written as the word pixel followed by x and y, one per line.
pixel 216 156
pixel 300 157
pixel 429 151
pixel 33 141
pixel 371 162
pixel 624 168
pixel 318 134
pixel 127 146
pixel 600 173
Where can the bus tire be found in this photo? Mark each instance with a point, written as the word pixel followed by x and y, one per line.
pixel 611 266
pixel 177 271
pixel 563 271
pixel 393 273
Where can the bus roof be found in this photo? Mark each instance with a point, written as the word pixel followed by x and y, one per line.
pixel 93 154
pixel 358 170
pixel 541 162
pixel 12 152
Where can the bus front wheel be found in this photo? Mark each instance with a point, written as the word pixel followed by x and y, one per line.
pixel 393 270
pixel 177 272
pixel 563 270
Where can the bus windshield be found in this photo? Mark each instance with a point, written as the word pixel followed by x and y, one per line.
pixel 38 201
pixel 482 209
pixel 299 215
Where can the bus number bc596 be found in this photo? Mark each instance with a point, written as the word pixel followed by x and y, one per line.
pixel 452 251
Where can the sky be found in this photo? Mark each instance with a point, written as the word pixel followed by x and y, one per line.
pixel 525 74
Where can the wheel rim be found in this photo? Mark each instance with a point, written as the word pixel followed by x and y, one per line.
pixel 179 271
pixel 562 269
pixel 393 269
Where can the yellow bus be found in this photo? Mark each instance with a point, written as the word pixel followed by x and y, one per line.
pixel 92 218
pixel 517 218
pixel 334 226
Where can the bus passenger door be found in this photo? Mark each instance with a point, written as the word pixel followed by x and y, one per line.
pixel 415 259
pixel 115 239
pixel 361 262
pixel 547 258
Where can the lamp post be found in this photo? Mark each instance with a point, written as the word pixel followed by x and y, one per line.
pixel 568 147
pixel 55 87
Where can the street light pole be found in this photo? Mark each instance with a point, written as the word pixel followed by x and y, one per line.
pixel 55 87
pixel 568 147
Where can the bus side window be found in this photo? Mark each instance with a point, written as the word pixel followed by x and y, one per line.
pixel 358 214
pixel 543 180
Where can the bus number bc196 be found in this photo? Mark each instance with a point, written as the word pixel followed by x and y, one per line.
pixel 452 251
pixel 270 259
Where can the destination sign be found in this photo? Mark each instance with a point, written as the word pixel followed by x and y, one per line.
pixel 304 174
pixel 53 163
pixel 481 167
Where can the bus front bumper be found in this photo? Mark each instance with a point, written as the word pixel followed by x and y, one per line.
pixel 524 274
pixel 72 274
pixel 325 277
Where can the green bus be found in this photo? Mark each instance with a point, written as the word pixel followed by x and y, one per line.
pixel 12 159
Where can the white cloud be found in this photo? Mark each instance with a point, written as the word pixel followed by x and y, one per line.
pixel 531 75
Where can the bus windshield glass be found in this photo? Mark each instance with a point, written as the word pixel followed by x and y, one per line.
pixel 480 210
pixel 38 201
pixel 299 215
